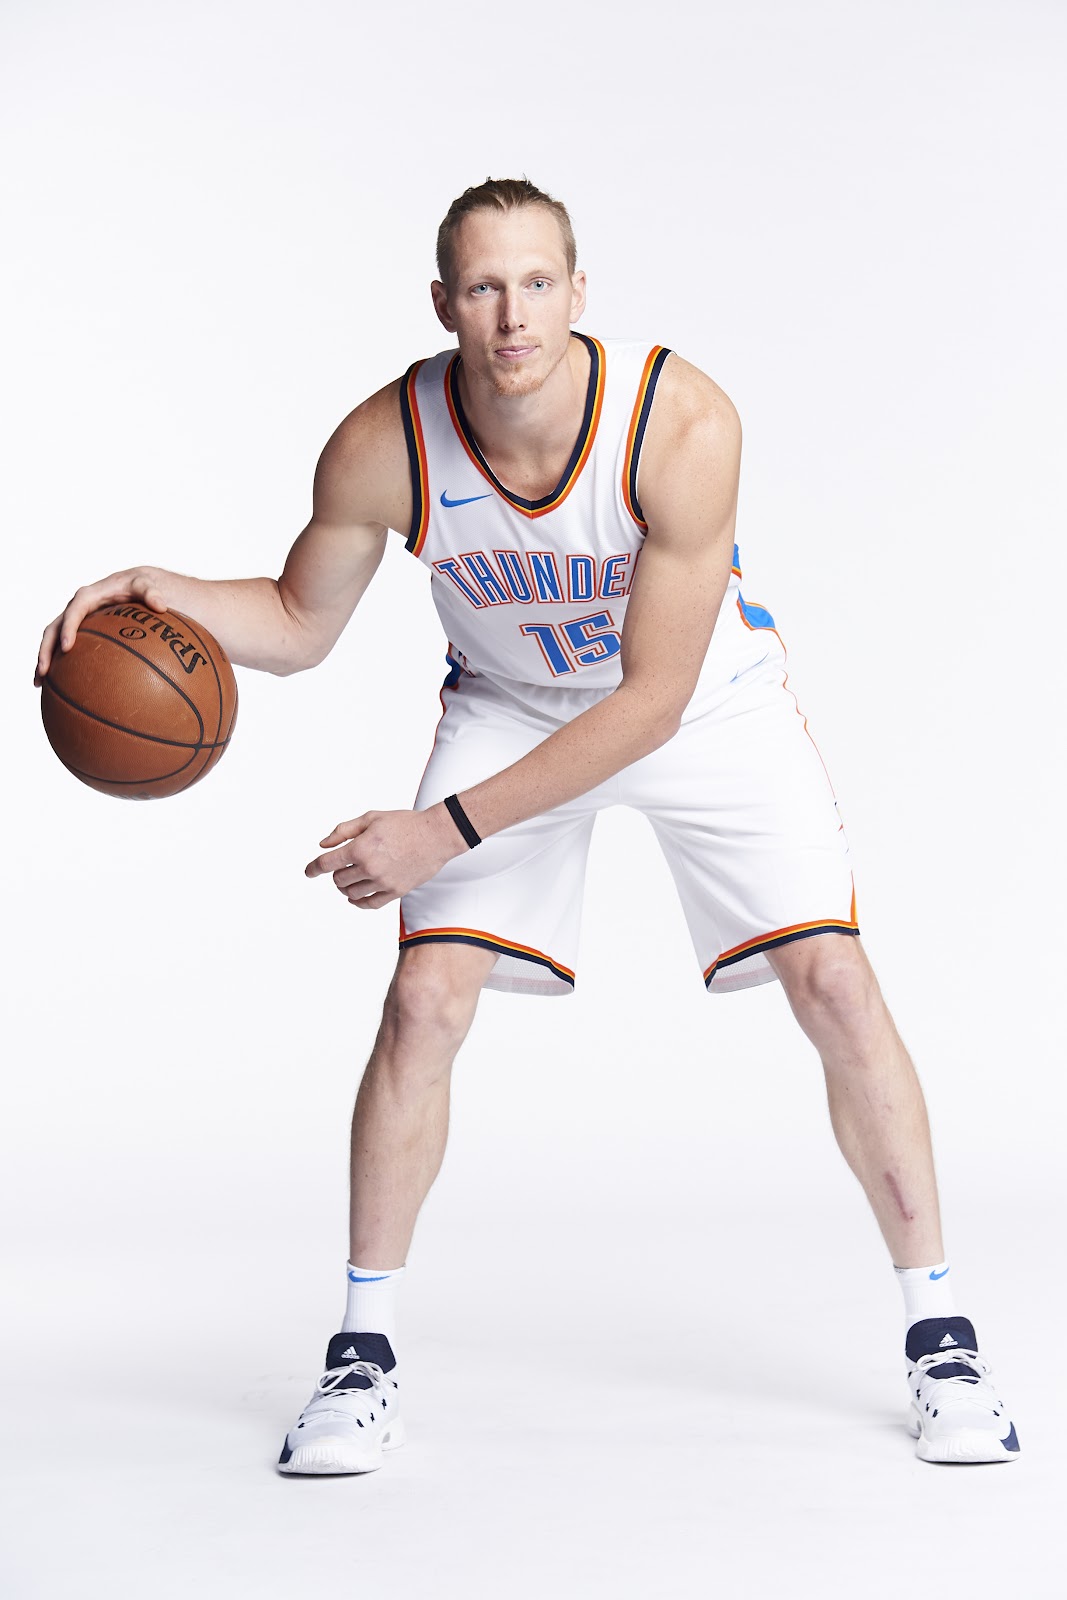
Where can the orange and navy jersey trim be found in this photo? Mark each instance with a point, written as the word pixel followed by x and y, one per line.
pixel 594 401
pixel 646 390
pixel 485 941
pixel 771 941
pixel 420 493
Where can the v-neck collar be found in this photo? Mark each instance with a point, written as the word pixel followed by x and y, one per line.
pixel 594 398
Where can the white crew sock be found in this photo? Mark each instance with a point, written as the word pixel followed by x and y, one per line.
pixel 926 1292
pixel 371 1306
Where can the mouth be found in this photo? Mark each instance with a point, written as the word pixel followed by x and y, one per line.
pixel 515 352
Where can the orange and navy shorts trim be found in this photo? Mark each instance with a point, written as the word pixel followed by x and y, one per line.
pixel 594 402
pixel 486 941
pixel 646 390
pixel 771 941
pixel 420 495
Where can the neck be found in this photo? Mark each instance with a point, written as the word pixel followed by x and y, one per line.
pixel 538 425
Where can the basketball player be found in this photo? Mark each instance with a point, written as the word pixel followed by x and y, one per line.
pixel 574 500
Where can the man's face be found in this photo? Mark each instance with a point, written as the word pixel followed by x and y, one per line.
pixel 512 299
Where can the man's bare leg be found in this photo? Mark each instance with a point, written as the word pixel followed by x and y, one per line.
pixel 400 1122
pixel 876 1105
pixel 399 1129
pixel 879 1116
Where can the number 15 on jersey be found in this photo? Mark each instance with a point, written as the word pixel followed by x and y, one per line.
pixel 566 646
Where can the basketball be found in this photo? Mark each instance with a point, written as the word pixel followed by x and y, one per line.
pixel 142 705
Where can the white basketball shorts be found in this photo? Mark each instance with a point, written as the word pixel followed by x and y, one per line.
pixel 740 802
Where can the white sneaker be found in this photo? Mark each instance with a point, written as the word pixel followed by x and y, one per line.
pixel 354 1413
pixel 955 1413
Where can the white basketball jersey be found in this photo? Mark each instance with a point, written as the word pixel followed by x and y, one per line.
pixel 534 592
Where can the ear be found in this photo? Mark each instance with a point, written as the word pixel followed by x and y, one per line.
pixel 577 295
pixel 439 295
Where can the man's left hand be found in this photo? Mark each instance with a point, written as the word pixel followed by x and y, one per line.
pixel 376 858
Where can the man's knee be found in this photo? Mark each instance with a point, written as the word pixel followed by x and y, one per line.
pixel 828 980
pixel 433 996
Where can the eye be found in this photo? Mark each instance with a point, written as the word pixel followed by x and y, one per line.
pixel 539 283
pixel 480 289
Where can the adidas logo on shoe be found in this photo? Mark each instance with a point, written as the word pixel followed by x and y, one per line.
pixel 948 1339
pixel 352 1354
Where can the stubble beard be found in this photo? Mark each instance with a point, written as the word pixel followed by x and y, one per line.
pixel 517 383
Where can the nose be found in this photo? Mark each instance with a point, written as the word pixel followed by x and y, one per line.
pixel 512 310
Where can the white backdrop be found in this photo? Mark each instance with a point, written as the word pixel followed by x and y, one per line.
pixel 220 234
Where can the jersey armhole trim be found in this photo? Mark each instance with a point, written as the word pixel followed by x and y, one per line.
pixel 646 390
pixel 413 437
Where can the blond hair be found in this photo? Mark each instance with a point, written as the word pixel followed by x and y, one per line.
pixel 503 194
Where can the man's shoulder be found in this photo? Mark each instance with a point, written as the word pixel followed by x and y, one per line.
pixel 691 398
pixel 365 462
pixel 370 428
pixel 693 431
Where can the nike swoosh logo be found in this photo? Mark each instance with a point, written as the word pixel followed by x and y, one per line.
pixel 466 501
pixel 936 1275
pixel 352 1278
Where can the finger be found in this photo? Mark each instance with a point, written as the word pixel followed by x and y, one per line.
pixel 351 877
pixel 360 890
pixel 48 645
pixel 144 589
pixel 78 609
pixel 122 586
pixel 333 861
pixel 346 830
pixel 375 902
pixel 61 634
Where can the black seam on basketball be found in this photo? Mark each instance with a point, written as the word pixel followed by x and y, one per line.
pixel 233 715
pixel 134 733
pixel 131 783
pixel 214 753
pixel 193 707
pixel 208 657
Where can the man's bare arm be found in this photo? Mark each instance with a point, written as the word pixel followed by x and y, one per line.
pixel 286 624
pixel 688 488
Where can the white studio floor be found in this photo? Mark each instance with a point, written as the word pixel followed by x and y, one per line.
pixel 745 1439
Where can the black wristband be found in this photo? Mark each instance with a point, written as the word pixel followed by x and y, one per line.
pixel 462 821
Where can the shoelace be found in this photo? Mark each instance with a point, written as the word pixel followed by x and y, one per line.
pixel 336 1375
pixel 955 1357
pixel 333 1376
